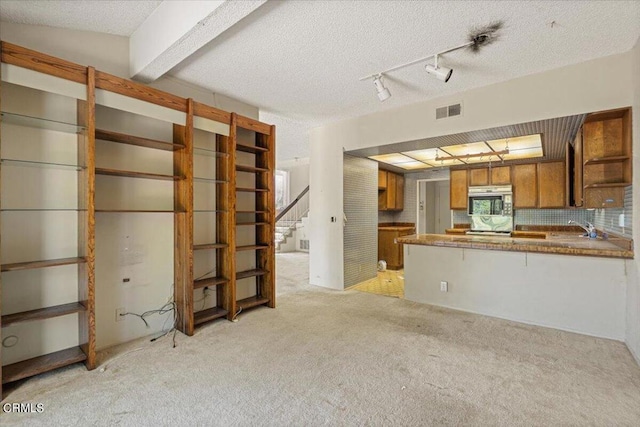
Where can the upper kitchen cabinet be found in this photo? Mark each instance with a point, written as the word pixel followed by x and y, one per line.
pixel 501 175
pixel 459 187
pixel 606 153
pixel 479 176
pixel 551 185
pixel 390 191
pixel 382 179
pixel 525 186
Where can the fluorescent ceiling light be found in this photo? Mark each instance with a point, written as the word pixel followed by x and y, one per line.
pixel 413 165
pixel 392 158
pixel 521 147
pixel 428 155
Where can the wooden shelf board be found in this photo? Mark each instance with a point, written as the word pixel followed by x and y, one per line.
pixel 209 314
pixel 250 169
pixel 43 313
pixel 251 302
pixel 251 190
pixel 607 185
pixel 209 281
pixel 41 364
pixel 609 159
pixel 250 273
pixel 41 264
pixel 205 246
pixel 251 148
pixel 135 211
pixel 107 135
pixel 132 174
pixel 251 247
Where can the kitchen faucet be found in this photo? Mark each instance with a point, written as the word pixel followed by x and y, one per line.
pixel 590 228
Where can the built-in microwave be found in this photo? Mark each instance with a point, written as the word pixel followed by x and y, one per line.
pixel 490 200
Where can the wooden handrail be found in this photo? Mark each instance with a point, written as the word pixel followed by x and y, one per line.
pixel 292 204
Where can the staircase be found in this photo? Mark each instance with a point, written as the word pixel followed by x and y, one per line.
pixel 289 218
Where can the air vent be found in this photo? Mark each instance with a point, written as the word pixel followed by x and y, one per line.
pixel 448 111
pixel 304 244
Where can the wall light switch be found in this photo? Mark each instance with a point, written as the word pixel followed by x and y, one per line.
pixel 444 286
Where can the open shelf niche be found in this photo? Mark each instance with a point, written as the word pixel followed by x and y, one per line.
pixel 39 150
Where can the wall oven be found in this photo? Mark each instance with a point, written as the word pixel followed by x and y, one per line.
pixel 490 209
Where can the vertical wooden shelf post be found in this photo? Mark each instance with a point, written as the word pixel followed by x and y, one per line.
pixel 226 221
pixel 86 116
pixel 265 201
pixel 183 224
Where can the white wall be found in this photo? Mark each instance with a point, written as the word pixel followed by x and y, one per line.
pixel 633 266
pixel 326 267
pixel 573 293
pixel 574 89
pixel 151 234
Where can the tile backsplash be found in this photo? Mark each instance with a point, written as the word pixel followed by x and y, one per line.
pixel 608 219
pixel 539 216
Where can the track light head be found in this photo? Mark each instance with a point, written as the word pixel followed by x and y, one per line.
pixel 383 92
pixel 441 73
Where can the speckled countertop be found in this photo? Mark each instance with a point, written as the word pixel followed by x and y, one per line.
pixel 555 243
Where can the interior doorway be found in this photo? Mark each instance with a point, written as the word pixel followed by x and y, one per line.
pixel 433 215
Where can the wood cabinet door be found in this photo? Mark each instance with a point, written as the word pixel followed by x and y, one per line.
pixel 391 191
pixel 501 175
pixel 399 192
pixel 578 193
pixel 551 185
pixel 525 186
pixel 459 186
pixel 382 179
pixel 479 176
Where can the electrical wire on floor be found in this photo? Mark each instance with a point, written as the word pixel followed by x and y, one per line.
pixel 234 318
pixel 110 362
pixel 170 306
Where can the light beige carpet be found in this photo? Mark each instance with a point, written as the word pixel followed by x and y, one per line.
pixel 347 358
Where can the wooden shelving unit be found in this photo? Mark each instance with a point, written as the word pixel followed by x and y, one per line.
pixel 82 131
pixel 606 164
pixel 259 142
pixel 186 116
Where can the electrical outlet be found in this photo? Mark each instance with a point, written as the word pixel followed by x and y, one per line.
pixel 119 314
pixel 444 286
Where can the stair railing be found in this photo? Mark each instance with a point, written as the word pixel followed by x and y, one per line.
pixel 288 217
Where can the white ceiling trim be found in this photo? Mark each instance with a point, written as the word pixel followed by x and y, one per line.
pixel 175 30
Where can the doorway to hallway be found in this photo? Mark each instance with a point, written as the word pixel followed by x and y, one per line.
pixel 433 215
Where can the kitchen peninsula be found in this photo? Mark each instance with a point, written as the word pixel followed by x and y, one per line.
pixel 559 281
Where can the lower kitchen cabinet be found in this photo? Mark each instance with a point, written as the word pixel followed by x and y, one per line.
pixel 388 249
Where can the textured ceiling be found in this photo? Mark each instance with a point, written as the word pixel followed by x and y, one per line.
pixel 555 135
pixel 113 17
pixel 303 59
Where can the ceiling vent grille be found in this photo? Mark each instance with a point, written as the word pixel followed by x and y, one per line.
pixel 448 111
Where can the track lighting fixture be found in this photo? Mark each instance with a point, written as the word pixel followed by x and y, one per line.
pixel 478 38
pixel 441 73
pixel 383 92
